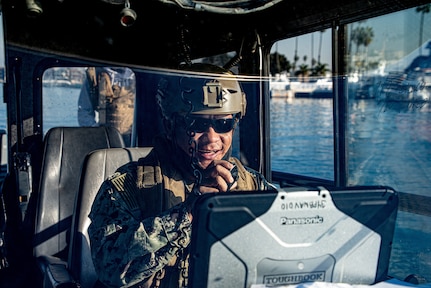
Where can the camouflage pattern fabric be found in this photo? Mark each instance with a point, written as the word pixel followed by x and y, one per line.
pixel 140 227
pixel 110 93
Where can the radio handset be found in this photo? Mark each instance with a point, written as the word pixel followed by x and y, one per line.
pixel 234 172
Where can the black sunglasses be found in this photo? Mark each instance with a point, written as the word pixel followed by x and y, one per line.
pixel 200 125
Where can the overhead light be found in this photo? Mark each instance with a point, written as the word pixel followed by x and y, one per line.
pixel 128 15
pixel 33 8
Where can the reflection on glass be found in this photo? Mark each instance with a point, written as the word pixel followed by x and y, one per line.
pixel 389 135
pixel 77 96
pixel 388 119
pixel 389 96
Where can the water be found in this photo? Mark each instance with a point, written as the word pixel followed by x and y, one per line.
pixel 302 137
pixel 389 144
pixel 60 107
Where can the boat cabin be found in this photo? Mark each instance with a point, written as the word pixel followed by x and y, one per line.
pixel 338 96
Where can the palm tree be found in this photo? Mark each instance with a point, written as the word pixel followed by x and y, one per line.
pixel 279 63
pixel 320 45
pixel 356 38
pixel 312 49
pixel 422 9
pixel 277 58
pixel 303 71
pixel 320 69
pixel 295 57
pixel 367 38
pixel 362 36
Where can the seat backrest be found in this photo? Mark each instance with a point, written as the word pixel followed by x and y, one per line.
pixel 64 151
pixel 98 165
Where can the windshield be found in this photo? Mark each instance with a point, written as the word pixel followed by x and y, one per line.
pixel 384 113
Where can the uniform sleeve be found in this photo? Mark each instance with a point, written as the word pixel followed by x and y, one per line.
pixel 127 250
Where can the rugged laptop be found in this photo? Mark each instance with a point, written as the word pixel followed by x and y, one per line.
pixel 292 236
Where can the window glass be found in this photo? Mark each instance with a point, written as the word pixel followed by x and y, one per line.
pixel 389 102
pixel 389 135
pixel 3 122
pixel 387 125
pixel 60 97
pixel 301 106
pixel 3 114
pixel 71 99
pixel 3 133
pixel 2 51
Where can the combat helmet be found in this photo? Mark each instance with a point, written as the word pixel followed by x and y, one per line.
pixel 204 89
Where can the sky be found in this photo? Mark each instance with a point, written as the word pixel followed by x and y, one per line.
pixel 393 38
pixel 287 47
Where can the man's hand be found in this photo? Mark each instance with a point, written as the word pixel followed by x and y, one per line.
pixel 218 177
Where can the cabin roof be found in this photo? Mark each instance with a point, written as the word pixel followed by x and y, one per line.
pixel 91 28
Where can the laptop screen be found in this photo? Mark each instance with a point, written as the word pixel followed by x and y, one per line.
pixel 292 236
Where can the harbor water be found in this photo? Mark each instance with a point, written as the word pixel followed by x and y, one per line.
pixel 389 144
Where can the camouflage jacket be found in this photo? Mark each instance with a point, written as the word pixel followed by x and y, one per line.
pixel 112 94
pixel 140 227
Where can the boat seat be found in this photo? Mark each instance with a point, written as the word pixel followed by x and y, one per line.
pixel 79 271
pixel 64 151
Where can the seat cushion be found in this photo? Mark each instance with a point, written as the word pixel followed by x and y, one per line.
pixel 64 151
pixel 98 166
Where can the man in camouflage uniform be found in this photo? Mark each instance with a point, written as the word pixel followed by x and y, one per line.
pixel 141 217
pixel 111 93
